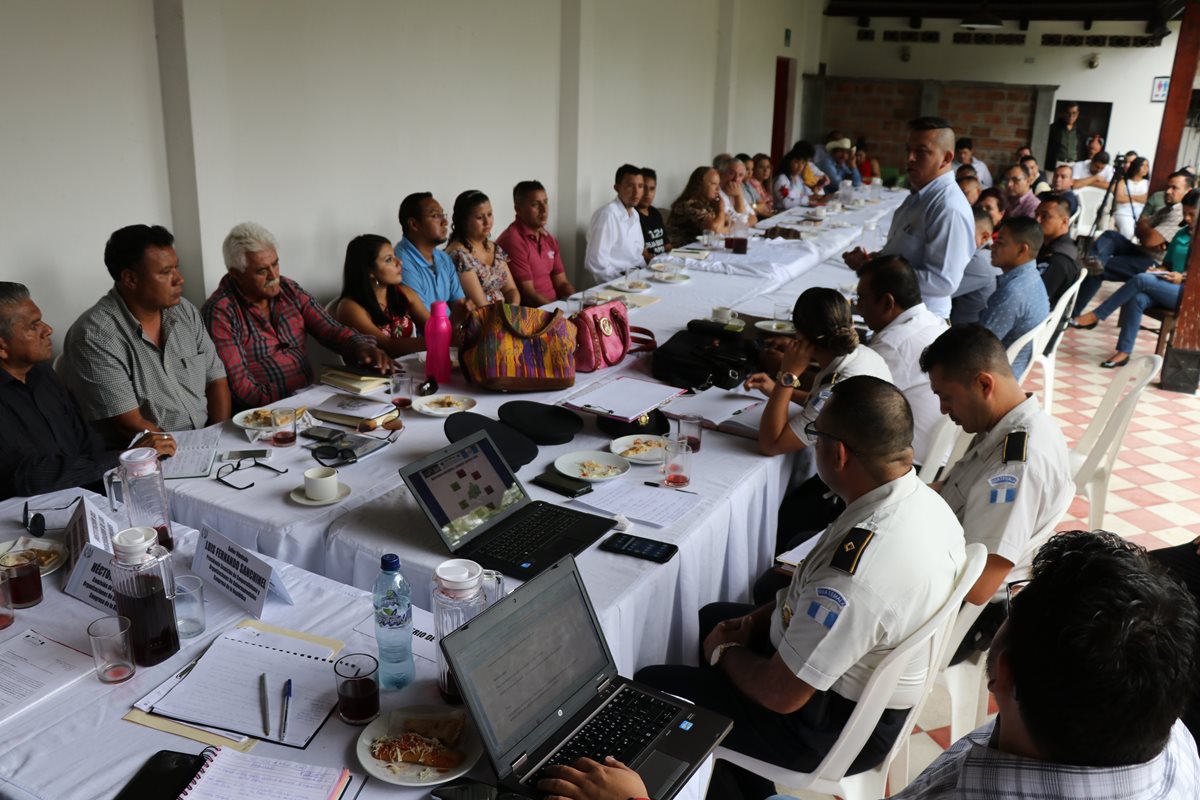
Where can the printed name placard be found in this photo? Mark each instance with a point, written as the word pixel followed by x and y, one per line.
pixel 238 573
pixel 89 543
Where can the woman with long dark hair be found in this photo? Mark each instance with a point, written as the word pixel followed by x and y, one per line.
pixel 481 263
pixel 698 209
pixel 374 302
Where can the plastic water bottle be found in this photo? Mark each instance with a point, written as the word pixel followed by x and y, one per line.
pixel 437 343
pixel 393 624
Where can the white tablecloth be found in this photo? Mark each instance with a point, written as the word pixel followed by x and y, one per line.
pixel 77 746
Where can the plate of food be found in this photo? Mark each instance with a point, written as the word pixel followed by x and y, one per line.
pixel 634 286
pixel 442 405
pixel 640 449
pixel 254 419
pixel 419 746
pixel 672 277
pixel 592 466
pixel 775 326
pixel 50 554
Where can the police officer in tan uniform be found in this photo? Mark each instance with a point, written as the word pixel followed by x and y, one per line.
pixel 790 672
pixel 1014 484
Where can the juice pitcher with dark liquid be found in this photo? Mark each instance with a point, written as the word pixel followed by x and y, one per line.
pixel 143 491
pixel 144 589
pixel 459 596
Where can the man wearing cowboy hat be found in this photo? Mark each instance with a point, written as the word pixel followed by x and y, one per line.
pixel 842 154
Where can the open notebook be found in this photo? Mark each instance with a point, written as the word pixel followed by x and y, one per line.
pixel 722 410
pixel 230 775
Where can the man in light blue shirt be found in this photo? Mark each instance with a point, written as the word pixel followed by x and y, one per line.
pixel 979 278
pixel 1019 303
pixel 934 228
pixel 426 268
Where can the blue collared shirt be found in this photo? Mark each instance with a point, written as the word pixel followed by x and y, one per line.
pixel 935 230
pixel 431 282
pixel 1018 305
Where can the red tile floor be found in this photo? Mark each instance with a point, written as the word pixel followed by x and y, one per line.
pixel 1154 493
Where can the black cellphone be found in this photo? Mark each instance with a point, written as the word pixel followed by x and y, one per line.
pixel 473 790
pixel 166 774
pixel 323 434
pixel 564 485
pixel 640 547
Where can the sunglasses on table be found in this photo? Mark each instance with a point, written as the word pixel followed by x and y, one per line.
pixel 225 470
pixel 34 520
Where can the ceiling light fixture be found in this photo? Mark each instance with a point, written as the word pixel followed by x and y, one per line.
pixel 982 19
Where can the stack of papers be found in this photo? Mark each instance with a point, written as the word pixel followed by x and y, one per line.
pixel 654 506
pixel 623 398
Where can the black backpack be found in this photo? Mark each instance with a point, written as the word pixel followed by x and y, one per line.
pixel 697 361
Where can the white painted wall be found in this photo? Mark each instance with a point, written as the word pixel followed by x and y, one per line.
pixel 81 144
pixel 1123 77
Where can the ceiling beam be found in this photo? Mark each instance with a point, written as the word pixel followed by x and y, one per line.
pixel 1059 10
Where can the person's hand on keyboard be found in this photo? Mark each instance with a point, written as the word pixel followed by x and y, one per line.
pixel 589 780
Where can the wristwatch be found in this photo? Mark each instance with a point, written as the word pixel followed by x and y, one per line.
pixel 715 658
pixel 787 379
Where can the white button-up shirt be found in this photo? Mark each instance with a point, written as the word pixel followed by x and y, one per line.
pixel 981 170
pixel 615 241
pixel 901 343
pixel 935 230
pixel 862 360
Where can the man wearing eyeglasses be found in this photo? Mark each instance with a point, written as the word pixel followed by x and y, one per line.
pixel 44 443
pixel 790 672
pixel 1014 484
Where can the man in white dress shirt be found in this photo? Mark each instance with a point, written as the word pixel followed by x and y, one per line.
pixel 733 177
pixel 933 229
pixel 615 241
pixel 889 300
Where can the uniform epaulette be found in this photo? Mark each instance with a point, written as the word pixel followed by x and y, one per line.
pixel 850 550
pixel 830 379
pixel 1014 446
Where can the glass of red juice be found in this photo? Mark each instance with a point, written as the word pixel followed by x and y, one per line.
pixel 283 421
pixel 690 427
pixel 6 609
pixel 357 678
pixel 678 465
pixel 402 389
pixel 24 577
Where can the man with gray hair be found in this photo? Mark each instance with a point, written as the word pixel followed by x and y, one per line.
pixel 45 445
pixel 140 360
pixel 258 320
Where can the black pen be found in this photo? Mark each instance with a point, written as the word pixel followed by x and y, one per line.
pixel 672 488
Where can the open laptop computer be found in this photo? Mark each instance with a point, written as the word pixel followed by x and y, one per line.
pixel 482 512
pixel 542 688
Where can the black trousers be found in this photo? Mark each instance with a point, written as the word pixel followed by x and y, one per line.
pixel 805 510
pixel 798 741
pixel 1184 563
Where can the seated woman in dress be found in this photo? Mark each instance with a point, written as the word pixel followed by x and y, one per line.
pixel 868 166
pixel 1131 202
pixel 1157 288
pixel 759 180
pixel 698 208
pixel 790 188
pixel 373 301
pixel 482 264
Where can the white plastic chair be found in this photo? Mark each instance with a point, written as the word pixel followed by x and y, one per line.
pixel 1016 347
pixel 1073 222
pixel 1094 454
pixel 949 441
pixel 830 776
pixel 1089 204
pixel 1049 334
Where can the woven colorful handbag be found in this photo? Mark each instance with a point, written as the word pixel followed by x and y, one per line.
pixel 514 348
pixel 604 337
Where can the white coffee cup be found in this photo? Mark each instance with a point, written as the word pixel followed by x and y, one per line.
pixel 321 483
pixel 723 314
pixel 816 213
pixel 833 207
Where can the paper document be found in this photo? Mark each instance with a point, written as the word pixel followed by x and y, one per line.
pixel 195 452
pixel 713 405
pixel 230 775
pixel 795 557
pixel 32 668
pixel 622 398
pixel 654 506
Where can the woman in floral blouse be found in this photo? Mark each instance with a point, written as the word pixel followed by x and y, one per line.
pixel 482 264
pixel 790 190
pixel 699 208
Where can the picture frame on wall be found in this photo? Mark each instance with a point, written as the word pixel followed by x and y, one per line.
pixel 1158 90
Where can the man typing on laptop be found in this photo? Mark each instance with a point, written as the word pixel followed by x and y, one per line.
pixel 790 672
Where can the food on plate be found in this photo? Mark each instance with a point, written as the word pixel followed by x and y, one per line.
pixel 446 402
pixel 259 417
pixel 413 748
pixel 45 557
pixel 594 469
pixel 447 730
pixel 638 285
pixel 641 447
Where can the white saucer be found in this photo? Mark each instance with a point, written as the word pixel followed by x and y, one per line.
pixel 774 326
pixel 672 277
pixel 621 286
pixel 300 497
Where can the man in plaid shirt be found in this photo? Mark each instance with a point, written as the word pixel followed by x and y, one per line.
pixel 258 321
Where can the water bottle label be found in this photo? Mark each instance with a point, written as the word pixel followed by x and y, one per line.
pixel 392 616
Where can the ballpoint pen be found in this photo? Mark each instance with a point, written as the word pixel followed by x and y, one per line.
pixel 266 704
pixel 287 696
pixel 660 486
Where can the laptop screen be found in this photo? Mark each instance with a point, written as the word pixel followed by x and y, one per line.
pixel 527 656
pixel 464 487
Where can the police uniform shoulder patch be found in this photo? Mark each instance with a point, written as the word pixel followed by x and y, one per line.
pixel 850 550
pixel 1014 446
pixel 830 379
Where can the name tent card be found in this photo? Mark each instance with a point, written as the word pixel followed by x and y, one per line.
pixel 242 575
pixel 88 538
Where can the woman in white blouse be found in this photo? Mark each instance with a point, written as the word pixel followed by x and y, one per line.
pixel 1131 200
pixel 789 188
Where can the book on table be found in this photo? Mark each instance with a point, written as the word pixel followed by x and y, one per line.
pixel 230 775
pixel 354 380
pixel 736 413
pixel 349 410
pixel 195 452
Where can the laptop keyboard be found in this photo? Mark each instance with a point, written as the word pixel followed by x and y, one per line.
pixel 622 729
pixel 529 533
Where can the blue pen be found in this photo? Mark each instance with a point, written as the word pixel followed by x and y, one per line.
pixel 287 696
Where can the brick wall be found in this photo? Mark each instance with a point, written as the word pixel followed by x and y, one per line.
pixel 997 118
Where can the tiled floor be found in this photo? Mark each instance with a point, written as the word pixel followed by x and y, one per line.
pixel 1154 494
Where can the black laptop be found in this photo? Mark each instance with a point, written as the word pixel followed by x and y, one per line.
pixel 542 688
pixel 472 498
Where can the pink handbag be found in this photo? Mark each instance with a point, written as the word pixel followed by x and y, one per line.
pixel 604 337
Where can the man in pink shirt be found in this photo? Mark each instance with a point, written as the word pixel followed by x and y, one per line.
pixel 534 257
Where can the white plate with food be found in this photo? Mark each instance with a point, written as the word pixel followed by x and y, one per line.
pixel 254 419
pixel 592 466
pixel 672 277
pixel 419 745
pixel 632 287
pixel 51 554
pixel 640 449
pixel 442 405
pixel 775 326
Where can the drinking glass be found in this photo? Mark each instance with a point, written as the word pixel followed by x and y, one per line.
pixel 678 465
pixel 24 577
pixel 6 608
pixel 112 649
pixel 402 389
pixel 690 427
pixel 357 678
pixel 189 606
pixel 283 421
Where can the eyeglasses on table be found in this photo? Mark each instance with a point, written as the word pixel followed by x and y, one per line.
pixel 225 470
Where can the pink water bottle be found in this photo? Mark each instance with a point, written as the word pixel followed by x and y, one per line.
pixel 437 343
